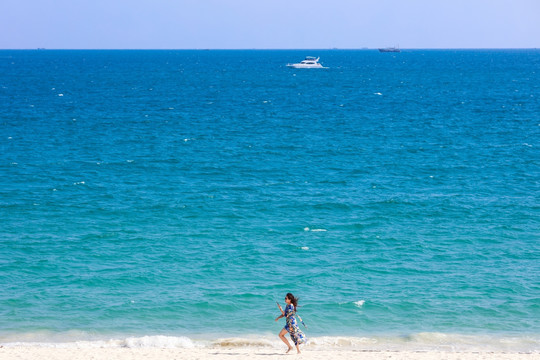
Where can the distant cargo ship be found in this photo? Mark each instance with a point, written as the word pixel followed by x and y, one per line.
pixel 390 49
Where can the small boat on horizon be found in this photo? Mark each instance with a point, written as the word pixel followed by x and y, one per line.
pixel 310 62
pixel 389 49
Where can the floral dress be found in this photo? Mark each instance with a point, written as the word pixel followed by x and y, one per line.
pixel 296 334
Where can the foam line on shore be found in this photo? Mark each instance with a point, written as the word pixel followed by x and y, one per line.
pixel 413 342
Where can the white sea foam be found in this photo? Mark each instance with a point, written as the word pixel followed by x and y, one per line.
pixel 428 341
pixel 158 341
pixel 313 230
pixel 359 303
pixel 168 342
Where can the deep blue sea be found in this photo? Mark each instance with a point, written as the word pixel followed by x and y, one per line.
pixel 170 198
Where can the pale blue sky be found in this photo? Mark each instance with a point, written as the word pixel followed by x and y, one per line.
pixel 262 24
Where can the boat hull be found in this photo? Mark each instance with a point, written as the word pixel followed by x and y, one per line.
pixel 302 66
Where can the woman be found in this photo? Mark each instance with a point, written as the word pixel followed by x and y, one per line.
pixel 291 327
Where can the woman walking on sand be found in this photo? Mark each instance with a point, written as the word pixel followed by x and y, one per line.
pixel 291 327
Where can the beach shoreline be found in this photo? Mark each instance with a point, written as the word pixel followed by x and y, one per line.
pixel 37 352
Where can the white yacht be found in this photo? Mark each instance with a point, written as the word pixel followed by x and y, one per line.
pixel 310 62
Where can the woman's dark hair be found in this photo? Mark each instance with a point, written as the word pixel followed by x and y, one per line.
pixel 293 299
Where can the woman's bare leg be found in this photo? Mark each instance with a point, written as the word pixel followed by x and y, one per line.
pixel 284 339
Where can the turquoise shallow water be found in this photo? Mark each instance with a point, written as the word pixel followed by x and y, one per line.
pixel 182 193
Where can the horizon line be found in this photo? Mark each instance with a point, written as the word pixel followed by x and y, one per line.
pixel 270 49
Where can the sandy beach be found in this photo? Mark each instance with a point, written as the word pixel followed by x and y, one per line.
pixel 31 352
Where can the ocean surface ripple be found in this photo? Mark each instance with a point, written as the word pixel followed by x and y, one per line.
pixel 181 193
